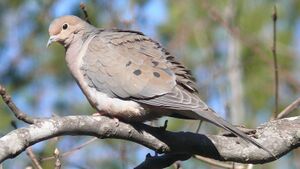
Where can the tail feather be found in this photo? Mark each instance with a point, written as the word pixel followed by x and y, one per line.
pixel 212 117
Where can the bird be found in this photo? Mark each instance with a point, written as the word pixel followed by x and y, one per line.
pixel 126 75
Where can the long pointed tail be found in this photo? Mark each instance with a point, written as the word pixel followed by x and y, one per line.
pixel 212 117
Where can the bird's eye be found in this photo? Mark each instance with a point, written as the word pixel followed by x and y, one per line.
pixel 65 26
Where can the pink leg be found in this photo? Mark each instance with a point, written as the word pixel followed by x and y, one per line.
pixel 100 113
pixel 103 113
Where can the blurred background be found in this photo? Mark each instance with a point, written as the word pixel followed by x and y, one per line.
pixel 226 43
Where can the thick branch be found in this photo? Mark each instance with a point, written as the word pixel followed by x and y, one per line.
pixel 280 137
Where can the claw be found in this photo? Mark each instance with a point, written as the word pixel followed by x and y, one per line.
pixel 117 121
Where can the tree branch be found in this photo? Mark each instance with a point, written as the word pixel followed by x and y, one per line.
pixel 86 16
pixel 280 137
pixel 175 145
pixel 71 151
pixel 274 52
pixel 32 156
pixel 289 109
pixel 17 112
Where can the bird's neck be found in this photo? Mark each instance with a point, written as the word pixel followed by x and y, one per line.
pixel 75 52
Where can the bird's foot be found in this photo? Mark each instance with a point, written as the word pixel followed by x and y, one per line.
pixel 102 113
pixel 116 120
pixel 99 113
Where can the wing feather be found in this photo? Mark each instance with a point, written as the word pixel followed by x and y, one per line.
pixel 132 66
pixel 121 60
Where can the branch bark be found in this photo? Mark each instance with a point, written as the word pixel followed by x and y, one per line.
pixel 17 112
pixel 279 136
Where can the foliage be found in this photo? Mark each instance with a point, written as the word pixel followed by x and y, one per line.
pixel 197 32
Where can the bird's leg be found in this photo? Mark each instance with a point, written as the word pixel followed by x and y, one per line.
pixel 103 113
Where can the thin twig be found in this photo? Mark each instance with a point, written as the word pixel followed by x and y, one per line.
pixel 17 112
pixel 246 40
pixel 123 155
pixel 227 165
pixel 83 8
pixel 235 32
pixel 57 159
pixel 71 151
pixel 274 17
pixel 289 109
pixel 33 158
pixel 199 126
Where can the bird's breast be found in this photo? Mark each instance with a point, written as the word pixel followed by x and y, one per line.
pixel 100 98
pixel 127 110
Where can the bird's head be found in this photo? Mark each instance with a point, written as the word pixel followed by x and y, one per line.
pixel 63 29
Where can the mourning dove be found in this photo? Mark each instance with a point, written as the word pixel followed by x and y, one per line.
pixel 126 75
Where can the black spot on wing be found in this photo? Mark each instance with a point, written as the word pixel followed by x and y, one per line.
pixel 156 74
pixel 137 72
pixel 128 63
pixel 155 63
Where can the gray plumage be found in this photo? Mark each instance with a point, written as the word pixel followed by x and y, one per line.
pixel 126 75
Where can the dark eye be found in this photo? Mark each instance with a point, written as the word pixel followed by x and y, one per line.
pixel 65 26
